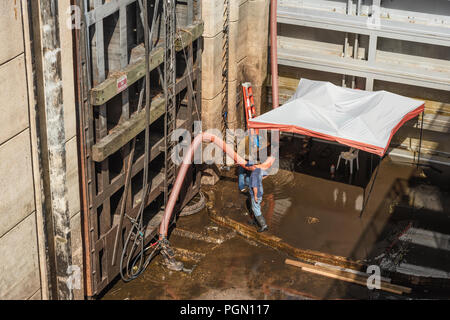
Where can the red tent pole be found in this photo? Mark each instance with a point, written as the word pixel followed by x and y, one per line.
pixel 274 53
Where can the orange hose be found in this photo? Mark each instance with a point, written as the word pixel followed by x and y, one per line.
pixel 203 137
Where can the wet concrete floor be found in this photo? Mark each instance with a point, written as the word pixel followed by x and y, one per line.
pixel 308 212
pixel 227 266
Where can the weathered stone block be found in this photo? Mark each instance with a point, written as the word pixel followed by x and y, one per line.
pixel 16 181
pixel 244 32
pixel 19 269
pixel 212 67
pixel 212 15
pixel 210 175
pixel 233 51
pixel 13 97
pixel 212 113
pixel 11 35
pixel 257 42
pixel 235 8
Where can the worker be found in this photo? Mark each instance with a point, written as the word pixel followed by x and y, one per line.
pixel 258 173
pixel 243 179
pixel 244 174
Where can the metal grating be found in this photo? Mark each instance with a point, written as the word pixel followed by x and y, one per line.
pixel 111 70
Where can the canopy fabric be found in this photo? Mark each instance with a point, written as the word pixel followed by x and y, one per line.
pixel 360 119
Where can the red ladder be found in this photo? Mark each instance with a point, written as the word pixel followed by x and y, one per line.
pixel 250 111
pixel 249 102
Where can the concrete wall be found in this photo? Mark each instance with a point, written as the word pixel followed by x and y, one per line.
pixel 248 47
pixel 23 265
pixel 19 204
pixel 312 43
pixel 70 123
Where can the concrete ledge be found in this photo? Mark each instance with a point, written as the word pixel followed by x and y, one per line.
pixel 312 256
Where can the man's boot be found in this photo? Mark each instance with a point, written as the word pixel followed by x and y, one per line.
pixel 262 223
pixel 252 220
pixel 169 256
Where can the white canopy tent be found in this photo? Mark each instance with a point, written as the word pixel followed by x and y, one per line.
pixel 360 119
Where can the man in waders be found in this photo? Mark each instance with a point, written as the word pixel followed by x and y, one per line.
pixel 251 179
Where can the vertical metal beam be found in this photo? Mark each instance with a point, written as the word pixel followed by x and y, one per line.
pixel 373 40
pixel 86 112
pixel 53 148
pixel 101 127
pixel 225 63
pixel 169 91
pixel 124 57
pixel 123 26
pixel 190 11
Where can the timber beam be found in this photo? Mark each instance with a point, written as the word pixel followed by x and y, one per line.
pixel 109 88
pixel 435 35
pixel 301 58
pixel 129 129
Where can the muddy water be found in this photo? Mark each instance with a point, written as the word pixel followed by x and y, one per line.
pixel 308 212
pixel 324 215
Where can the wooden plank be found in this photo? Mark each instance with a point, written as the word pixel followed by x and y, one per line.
pixel 347 276
pixel 126 131
pixel 102 11
pixel 155 190
pixel 108 89
pixel 123 35
pixel 129 129
pixel 119 181
pixel 336 268
pixel 353 279
pixel 277 243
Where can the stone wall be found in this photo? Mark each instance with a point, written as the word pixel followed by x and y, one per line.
pixel 23 262
pixel 248 49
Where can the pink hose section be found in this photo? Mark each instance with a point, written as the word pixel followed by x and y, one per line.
pixel 274 53
pixel 206 137
pixel 203 137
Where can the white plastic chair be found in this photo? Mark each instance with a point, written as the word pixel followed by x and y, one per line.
pixel 350 155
